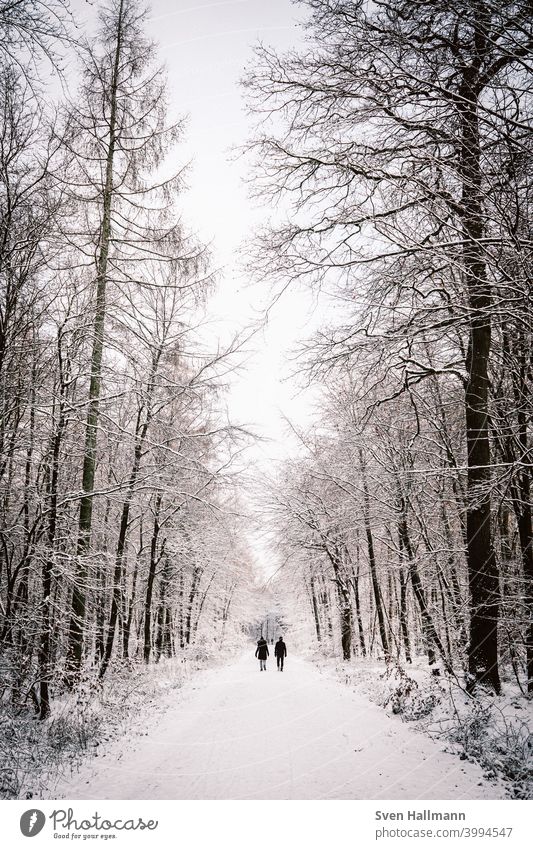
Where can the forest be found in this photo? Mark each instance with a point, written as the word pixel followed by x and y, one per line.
pixel 118 509
pixel 391 151
pixel 404 151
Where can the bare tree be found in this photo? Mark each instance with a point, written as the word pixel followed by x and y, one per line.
pixel 387 157
pixel 32 31
pixel 116 134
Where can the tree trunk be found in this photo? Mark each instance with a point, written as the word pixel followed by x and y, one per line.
pixel 75 649
pixel 140 437
pixel 526 547
pixel 345 619
pixel 315 610
pixel 163 613
pixel 181 611
pixel 403 617
pixel 482 567
pixel 522 504
pixel 45 636
pixel 130 607
pixel 154 560
pixel 358 613
pixel 196 575
pixel 201 607
pixel 428 628
pixel 372 562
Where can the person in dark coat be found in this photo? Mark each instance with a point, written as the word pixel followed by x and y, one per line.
pixel 280 651
pixel 262 653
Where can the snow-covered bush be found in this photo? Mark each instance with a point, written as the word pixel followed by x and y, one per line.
pixel 34 753
pixel 31 750
pixel 495 732
pixel 493 735
pixel 408 698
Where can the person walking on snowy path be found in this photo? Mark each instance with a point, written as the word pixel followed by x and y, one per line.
pixel 280 651
pixel 262 653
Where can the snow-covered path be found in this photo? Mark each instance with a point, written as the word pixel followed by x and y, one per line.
pixel 237 733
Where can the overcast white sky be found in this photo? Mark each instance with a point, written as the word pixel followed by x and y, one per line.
pixel 206 46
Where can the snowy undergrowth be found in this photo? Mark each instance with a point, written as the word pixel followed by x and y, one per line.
pixel 33 754
pixel 494 731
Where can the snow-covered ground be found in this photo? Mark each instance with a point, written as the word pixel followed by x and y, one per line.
pixel 494 731
pixel 236 733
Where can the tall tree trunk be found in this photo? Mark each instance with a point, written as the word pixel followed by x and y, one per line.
pixel 454 580
pixel 128 617
pixel 372 562
pixel 358 612
pixel 343 597
pixel 324 599
pixel 140 438
pixel 196 575
pixel 119 557
pixel 163 615
pixel 314 604
pixel 75 649
pixel 100 579
pixel 345 619
pixel 225 611
pixel 168 647
pixel 154 560
pixel 428 627
pixel 526 546
pixel 47 567
pixel 403 617
pixel 201 606
pixel 181 611
pixel 482 567
pixel 522 503
pixel 357 599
